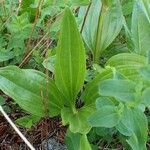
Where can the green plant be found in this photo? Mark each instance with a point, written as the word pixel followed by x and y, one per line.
pixel 103 23
pixel 122 107
pixel 30 92
pixel 119 87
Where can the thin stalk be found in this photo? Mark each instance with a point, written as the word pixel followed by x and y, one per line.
pixel 26 58
pixel 30 53
pixel 3 4
pixel 98 36
pixel 47 80
pixel 19 6
pixel 84 20
pixel 16 129
pixel 34 24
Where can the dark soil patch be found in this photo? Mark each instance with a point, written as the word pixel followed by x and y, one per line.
pixel 46 128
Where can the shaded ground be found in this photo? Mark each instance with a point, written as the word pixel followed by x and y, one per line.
pixel 46 129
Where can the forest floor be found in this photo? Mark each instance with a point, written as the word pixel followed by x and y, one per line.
pixel 46 128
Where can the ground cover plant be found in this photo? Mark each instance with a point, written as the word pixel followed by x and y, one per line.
pixel 84 65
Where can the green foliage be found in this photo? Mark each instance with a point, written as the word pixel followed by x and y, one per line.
pixel 134 125
pixel 126 115
pixel 27 121
pixel 105 117
pixel 140 30
pixel 18 84
pixel 77 141
pixel 77 119
pixel 6 55
pixel 123 90
pixel 70 70
pixel 97 60
pixel 49 63
pixel 72 140
pixel 103 23
pixel 20 29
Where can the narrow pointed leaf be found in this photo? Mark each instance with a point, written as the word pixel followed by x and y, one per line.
pixel 70 59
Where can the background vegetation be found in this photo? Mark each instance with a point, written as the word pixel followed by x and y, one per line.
pixel 81 64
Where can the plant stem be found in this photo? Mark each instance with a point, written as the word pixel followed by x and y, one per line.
pixel 84 20
pixel 98 36
pixel 34 24
pixel 30 53
pixel 16 129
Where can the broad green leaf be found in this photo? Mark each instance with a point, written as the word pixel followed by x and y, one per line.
pixel 70 64
pixel 72 140
pixel 124 58
pixel 103 101
pixel 140 130
pixel 29 89
pixel 103 132
pixel 127 64
pixel 6 55
pixel 27 121
pixel 49 63
pixel 84 143
pixel 91 22
pixel 140 30
pixel 134 125
pixel 103 23
pixel 122 90
pixel 133 142
pixel 90 94
pixel 76 141
pixel 77 120
pixel 106 116
pixel 126 124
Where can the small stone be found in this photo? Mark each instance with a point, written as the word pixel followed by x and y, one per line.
pixel 52 144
